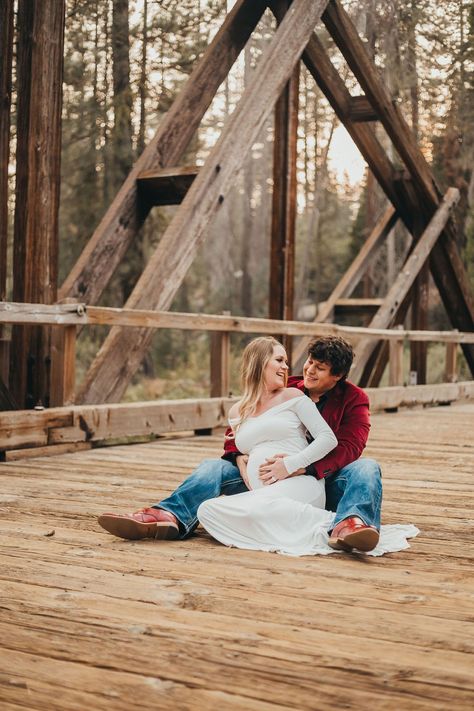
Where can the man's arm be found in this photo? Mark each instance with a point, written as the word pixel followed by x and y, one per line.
pixel 352 435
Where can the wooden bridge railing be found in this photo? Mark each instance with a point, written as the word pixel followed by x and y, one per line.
pixel 69 317
pixel 68 427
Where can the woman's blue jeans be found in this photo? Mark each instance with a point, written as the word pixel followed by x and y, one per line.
pixel 355 490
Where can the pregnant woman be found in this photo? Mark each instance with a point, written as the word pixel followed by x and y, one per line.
pixel 287 515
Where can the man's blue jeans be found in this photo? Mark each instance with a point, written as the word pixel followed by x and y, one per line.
pixel 356 490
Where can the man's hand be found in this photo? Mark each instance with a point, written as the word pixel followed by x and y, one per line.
pixel 241 462
pixel 273 470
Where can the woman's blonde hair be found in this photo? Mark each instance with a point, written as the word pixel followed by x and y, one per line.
pixel 254 361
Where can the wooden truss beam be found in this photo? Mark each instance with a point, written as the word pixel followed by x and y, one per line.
pixel 445 263
pixel 405 279
pixel 122 352
pixel 123 219
pixel 282 251
pixel 351 278
pixel 332 85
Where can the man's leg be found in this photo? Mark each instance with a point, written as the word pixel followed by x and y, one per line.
pixel 175 516
pixel 355 494
pixel 211 478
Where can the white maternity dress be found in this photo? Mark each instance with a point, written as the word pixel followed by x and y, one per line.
pixel 287 516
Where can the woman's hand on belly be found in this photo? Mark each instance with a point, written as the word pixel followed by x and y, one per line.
pixel 273 470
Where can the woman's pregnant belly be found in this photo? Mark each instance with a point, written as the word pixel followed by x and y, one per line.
pixel 258 455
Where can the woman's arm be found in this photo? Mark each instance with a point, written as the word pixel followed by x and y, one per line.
pixel 324 439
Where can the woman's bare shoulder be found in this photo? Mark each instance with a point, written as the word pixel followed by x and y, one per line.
pixel 234 412
pixel 291 394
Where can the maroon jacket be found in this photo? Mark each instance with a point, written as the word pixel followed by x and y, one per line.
pixel 346 410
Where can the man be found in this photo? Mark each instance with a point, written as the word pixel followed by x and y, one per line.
pixel 353 485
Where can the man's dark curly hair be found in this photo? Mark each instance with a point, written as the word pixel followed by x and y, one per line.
pixel 335 351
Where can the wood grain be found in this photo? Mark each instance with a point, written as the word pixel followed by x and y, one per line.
pixel 90 621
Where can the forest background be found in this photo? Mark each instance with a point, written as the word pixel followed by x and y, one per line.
pixel 125 62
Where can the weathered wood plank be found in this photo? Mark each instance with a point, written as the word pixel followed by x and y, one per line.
pixel 400 288
pixel 51 450
pixel 120 224
pixel 63 365
pixel 109 375
pixel 95 315
pixel 89 620
pixel 27 429
pixel 410 395
pixel 220 364
pixel 95 423
pixel 360 109
pixel 167 186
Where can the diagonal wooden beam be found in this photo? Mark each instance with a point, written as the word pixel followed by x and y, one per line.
pixel 405 279
pixel 122 352
pixel 345 35
pixel 445 262
pixel 332 85
pixel 107 246
pixel 351 278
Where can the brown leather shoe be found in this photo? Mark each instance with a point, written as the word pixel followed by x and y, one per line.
pixel 145 523
pixel 353 533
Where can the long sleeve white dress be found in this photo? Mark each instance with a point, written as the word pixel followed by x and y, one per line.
pixel 287 516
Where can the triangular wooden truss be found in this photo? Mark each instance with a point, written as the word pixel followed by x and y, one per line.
pixel 155 180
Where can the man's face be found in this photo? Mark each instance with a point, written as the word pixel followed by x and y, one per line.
pixel 318 378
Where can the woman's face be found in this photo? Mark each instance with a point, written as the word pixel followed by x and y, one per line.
pixel 275 373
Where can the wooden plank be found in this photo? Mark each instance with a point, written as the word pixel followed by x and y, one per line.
pixel 108 375
pixel 405 279
pixel 451 367
pixel 63 365
pixel 50 450
pixel 445 262
pixel 120 224
pixel 98 315
pixel 220 364
pixel 167 186
pixel 83 625
pixel 102 423
pixel 360 109
pixel 411 395
pixel 395 375
pixel 352 276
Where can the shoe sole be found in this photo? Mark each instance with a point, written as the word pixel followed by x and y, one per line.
pixel 365 540
pixel 136 530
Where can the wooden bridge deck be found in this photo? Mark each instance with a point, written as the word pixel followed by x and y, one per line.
pixel 91 622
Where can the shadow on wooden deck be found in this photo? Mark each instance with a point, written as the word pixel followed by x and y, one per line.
pixel 92 622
